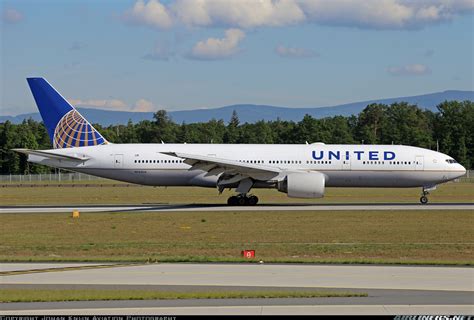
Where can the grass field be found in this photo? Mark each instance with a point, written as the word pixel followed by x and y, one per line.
pixel 79 194
pixel 35 295
pixel 425 237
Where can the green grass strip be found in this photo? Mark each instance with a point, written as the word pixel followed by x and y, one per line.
pixel 40 295
pixel 205 259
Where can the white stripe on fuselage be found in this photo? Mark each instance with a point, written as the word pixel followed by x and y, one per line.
pixel 344 165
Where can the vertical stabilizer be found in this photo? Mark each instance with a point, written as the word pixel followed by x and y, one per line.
pixel 66 126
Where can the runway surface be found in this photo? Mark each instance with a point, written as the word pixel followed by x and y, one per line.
pixel 391 289
pixel 217 207
pixel 279 275
pixel 259 310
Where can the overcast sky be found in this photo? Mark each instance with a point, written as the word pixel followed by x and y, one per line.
pixel 148 54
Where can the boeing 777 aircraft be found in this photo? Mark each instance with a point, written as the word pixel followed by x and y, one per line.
pixel 300 171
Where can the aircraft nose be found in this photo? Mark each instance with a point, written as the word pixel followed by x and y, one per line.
pixel 462 170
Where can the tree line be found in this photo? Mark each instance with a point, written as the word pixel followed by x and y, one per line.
pixel 449 130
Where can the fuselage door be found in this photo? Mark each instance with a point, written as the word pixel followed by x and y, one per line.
pixel 419 163
pixel 118 161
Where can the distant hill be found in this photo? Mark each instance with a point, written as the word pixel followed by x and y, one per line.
pixel 252 113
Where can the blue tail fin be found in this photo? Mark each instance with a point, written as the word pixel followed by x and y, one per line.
pixel 66 126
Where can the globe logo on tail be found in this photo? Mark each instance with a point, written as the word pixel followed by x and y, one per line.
pixel 75 131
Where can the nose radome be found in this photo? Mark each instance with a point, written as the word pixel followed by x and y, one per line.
pixel 462 171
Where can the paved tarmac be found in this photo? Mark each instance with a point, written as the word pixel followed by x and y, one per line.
pixel 391 289
pixel 276 275
pixel 218 207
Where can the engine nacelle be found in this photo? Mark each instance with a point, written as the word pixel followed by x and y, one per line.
pixel 303 185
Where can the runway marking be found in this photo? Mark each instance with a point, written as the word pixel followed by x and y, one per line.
pixel 61 269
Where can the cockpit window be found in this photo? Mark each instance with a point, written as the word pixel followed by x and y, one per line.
pixel 451 161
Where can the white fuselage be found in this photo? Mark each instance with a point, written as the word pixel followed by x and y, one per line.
pixel 343 165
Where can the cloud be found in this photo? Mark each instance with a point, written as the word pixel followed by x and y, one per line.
pixel 244 14
pixel 384 14
pixel 214 48
pixel 11 16
pixel 237 13
pixel 409 70
pixel 152 14
pixel 100 103
pixel 141 105
pixel 291 52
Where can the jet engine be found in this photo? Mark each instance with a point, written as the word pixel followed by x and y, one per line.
pixel 303 185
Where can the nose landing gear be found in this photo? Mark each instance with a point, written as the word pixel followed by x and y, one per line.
pixel 424 199
pixel 424 192
pixel 242 200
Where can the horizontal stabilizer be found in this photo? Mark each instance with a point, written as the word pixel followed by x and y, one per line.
pixel 51 155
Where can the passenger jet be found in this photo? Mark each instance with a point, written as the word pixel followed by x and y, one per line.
pixel 300 171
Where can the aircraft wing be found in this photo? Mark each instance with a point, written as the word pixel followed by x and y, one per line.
pixel 215 166
pixel 50 155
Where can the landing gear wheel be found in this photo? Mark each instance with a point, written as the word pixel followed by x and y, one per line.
pixel 424 200
pixel 242 201
pixel 252 200
pixel 233 201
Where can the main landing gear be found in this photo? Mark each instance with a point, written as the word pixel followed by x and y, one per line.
pixel 242 200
